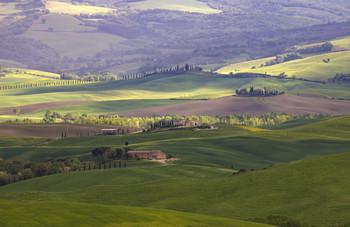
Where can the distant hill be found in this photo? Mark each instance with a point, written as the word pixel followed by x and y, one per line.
pixel 139 36
pixel 314 66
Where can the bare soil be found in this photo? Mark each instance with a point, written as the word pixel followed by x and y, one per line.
pixel 40 106
pixel 241 105
pixel 53 130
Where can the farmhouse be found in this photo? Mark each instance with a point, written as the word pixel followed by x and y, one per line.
pixel 258 91
pixel 185 123
pixel 151 155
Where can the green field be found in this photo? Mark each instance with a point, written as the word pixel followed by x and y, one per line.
pixel 161 86
pixel 20 77
pixel 243 147
pixel 109 107
pixel 303 190
pixel 179 5
pixel 313 178
pixel 311 67
pixel 82 214
pixel 66 8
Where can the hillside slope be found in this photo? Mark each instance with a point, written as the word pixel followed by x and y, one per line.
pixel 82 214
pixel 304 190
pixel 157 90
pixel 310 67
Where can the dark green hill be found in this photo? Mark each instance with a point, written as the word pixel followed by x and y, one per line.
pixel 304 190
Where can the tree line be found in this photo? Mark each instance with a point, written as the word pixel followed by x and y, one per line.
pixel 158 121
pixel 42 84
pixel 258 92
pixel 340 78
pixel 12 171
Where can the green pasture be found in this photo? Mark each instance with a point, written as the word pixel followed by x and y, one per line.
pixel 156 90
pixel 10 100
pixel 82 214
pixel 312 68
pixel 242 147
pixel 131 175
pixel 343 43
pixel 303 190
pixel 165 86
pixel 20 77
pixel 66 8
pixel 4 118
pixel 109 107
pixel 21 141
pixel 179 5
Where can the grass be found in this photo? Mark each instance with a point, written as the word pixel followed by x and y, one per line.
pixel 20 77
pixel 179 5
pixel 202 181
pixel 343 43
pixel 22 141
pixel 303 190
pixel 311 67
pixel 81 214
pixel 108 107
pixel 165 86
pixel 242 147
pixel 66 8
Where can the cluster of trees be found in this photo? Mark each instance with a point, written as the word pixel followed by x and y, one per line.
pixel 257 92
pixel 340 78
pixel 318 48
pixel 283 58
pixel 17 170
pixel 107 154
pixel 281 220
pixel 286 221
pixel 89 77
pixel 155 121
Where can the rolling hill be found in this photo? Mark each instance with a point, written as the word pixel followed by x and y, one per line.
pixel 103 215
pixel 311 67
pixel 303 190
pixel 243 147
pixel 126 96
